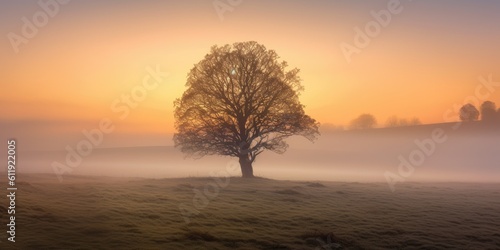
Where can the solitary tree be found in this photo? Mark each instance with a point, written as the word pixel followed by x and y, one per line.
pixel 488 111
pixel 364 121
pixel 240 100
pixel 468 113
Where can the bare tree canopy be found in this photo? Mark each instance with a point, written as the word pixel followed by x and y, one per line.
pixel 468 113
pixel 240 101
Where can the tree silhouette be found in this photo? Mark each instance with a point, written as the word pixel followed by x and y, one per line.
pixel 488 111
pixel 394 121
pixel 468 113
pixel 415 121
pixel 364 121
pixel 240 101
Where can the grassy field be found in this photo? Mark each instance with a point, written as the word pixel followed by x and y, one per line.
pixel 120 213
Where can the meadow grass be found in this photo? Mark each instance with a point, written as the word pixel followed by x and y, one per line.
pixel 131 213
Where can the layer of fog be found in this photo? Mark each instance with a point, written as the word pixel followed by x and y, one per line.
pixel 469 153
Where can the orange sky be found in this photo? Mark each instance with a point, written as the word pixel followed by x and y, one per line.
pixel 66 77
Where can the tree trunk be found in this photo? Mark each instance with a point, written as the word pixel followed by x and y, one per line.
pixel 246 167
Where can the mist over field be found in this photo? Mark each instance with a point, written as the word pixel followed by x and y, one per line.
pixel 468 154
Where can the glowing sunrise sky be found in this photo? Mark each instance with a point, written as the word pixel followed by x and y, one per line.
pixel 65 78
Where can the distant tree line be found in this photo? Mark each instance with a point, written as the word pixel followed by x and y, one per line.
pixel 394 121
pixel 366 121
pixel 487 112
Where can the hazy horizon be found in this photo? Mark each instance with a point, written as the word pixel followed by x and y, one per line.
pixel 468 155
